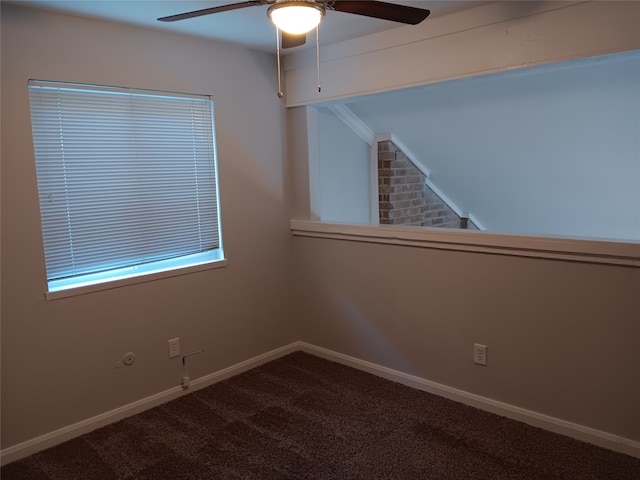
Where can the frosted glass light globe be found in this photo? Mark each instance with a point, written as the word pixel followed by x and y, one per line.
pixel 296 17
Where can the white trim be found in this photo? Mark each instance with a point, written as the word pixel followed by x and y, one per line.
pixel 56 437
pixel 476 222
pixel 452 205
pixel 313 155
pixel 427 173
pixel 374 187
pixel 123 282
pixel 556 425
pixel 556 248
pixel 352 121
pixel 546 422
pixel 382 137
pixel 444 198
pixel 361 129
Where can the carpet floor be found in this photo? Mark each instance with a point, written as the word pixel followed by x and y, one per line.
pixel 302 417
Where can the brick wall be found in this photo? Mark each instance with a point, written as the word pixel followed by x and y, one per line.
pixel 400 188
pixel 438 213
pixel 404 197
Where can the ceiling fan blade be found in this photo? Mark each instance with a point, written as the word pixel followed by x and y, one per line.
pixel 289 40
pixel 383 10
pixel 209 11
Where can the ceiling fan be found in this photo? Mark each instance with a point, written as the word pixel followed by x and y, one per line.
pixel 294 18
pixel 297 17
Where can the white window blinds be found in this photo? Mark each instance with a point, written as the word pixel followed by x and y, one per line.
pixel 125 178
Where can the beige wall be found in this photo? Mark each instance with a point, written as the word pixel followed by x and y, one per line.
pixel 59 357
pixel 562 336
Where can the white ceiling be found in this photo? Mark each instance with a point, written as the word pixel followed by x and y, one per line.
pixel 247 26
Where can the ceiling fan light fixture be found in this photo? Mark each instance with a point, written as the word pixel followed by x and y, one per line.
pixel 296 16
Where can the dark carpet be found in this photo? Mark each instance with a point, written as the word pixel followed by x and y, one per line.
pixel 302 417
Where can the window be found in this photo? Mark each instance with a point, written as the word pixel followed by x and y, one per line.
pixel 127 182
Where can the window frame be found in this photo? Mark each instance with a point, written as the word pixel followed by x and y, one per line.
pixel 158 268
pixel 134 280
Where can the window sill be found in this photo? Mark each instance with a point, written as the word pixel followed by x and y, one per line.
pixel 72 292
pixel 566 249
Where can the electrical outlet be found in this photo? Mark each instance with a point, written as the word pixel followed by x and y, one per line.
pixel 479 354
pixel 174 347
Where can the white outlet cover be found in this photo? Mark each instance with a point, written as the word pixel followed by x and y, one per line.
pixel 174 347
pixel 479 354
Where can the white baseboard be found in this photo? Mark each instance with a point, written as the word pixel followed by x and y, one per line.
pixel 56 437
pixel 552 424
pixel 579 432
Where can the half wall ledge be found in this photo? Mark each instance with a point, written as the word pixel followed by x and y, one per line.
pixel 553 248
